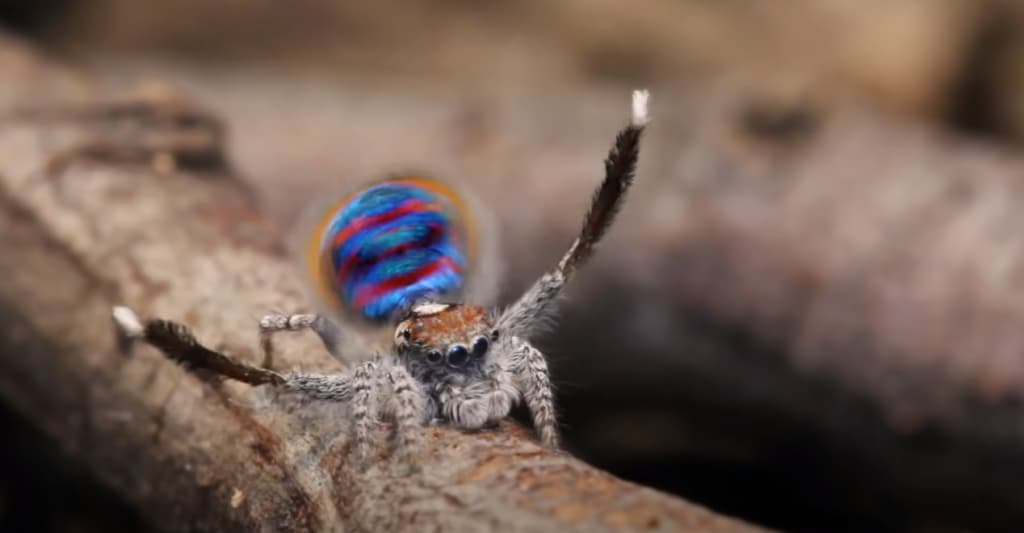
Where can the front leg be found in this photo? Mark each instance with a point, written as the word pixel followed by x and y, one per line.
pixel 409 405
pixel 504 394
pixel 533 379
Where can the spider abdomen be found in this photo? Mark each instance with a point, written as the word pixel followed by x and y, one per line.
pixel 392 243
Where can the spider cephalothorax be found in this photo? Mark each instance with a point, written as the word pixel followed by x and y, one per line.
pixel 456 336
pixel 384 252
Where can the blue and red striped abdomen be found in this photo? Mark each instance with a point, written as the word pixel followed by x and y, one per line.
pixel 382 248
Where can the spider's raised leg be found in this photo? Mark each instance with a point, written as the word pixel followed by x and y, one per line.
pixel 363 387
pixel 328 331
pixel 178 343
pixel 536 306
pixel 532 377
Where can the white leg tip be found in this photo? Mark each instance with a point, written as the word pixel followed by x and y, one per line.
pixel 127 321
pixel 641 111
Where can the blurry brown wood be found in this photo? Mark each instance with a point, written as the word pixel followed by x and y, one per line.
pixel 831 293
pixel 815 298
pixel 824 295
pixel 107 202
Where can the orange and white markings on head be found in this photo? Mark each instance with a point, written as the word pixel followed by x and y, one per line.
pixel 451 331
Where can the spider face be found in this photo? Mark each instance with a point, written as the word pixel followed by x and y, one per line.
pixel 454 336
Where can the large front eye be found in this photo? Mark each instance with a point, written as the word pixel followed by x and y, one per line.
pixel 480 346
pixel 457 355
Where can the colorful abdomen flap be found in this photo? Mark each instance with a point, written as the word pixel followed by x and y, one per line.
pixel 394 242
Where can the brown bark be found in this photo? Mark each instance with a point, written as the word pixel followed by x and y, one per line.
pixel 130 202
pixel 823 298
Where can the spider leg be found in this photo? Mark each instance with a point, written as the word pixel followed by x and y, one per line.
pixel 178 344
pixel 320 387
pixel 536 306
pixel 409 405
pixel 505 394
pixel 533 378
pixel 362 387
pixel 328 331
pixel 364 407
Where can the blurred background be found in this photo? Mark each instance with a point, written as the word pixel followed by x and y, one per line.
pixel 801 320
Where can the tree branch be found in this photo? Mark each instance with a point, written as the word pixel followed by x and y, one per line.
pixel 102 204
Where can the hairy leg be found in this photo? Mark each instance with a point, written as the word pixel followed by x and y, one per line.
pixel 532 376
pixel 409 404
pixel 365 383
pixel 178 344
pixel 537 306
pixel 325 328
pixel 320 387
pixel 363 386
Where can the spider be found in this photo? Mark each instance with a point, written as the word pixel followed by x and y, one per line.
pixel 451 363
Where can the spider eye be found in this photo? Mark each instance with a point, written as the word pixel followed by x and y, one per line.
pixel 480 346
pixel 495 334
pixel 402 336
pixel 458 355
pixel 434 356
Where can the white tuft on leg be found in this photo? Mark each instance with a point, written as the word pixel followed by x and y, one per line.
pixel 641 114
pixel 127 321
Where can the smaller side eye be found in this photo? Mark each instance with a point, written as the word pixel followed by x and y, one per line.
pixel 480 346
pixel 458 355
pixel 495 334
pixel 403 333
pixel 434 356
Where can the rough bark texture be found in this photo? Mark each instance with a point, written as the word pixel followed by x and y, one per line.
pixel 107 202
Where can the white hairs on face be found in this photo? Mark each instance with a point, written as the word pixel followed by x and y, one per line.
pixel 429 308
